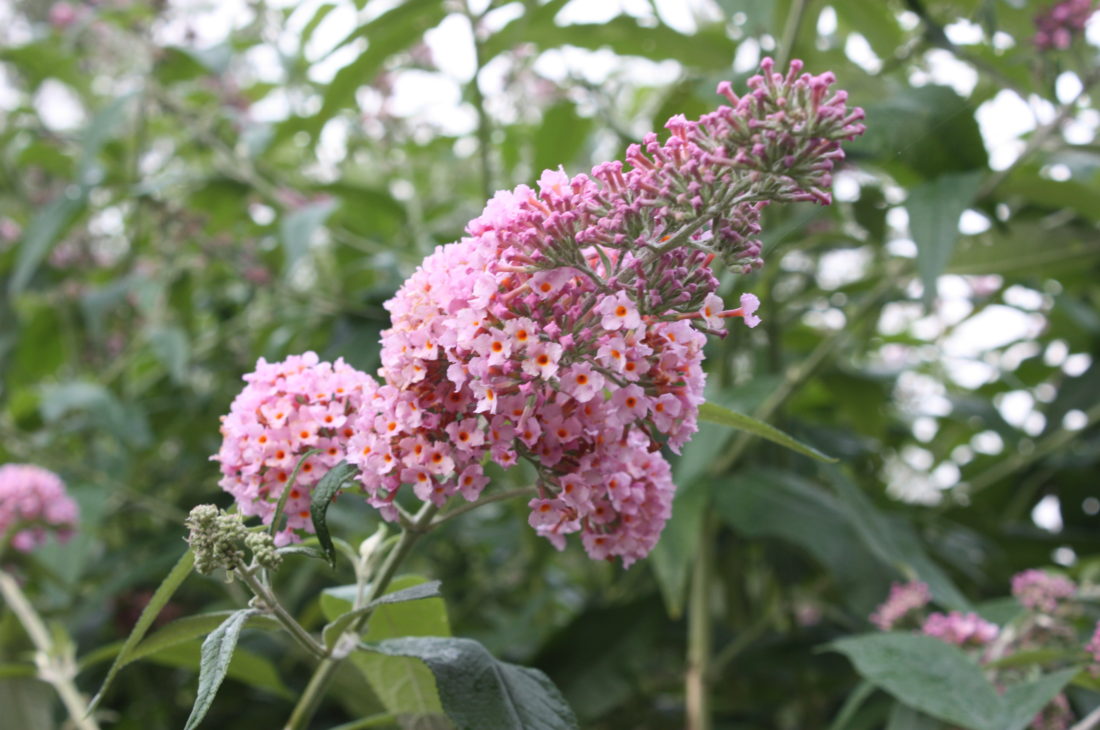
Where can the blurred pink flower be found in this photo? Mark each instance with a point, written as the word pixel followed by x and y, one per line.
pixel 904 599
pixel 1040 590
pixel 33 503
pixel 960 629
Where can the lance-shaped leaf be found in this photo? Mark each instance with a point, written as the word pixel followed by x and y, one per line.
pixel 335 628
pixel 323 494
pixel 152 609
pixel 217 651
pixel 713 413
pixel 280 506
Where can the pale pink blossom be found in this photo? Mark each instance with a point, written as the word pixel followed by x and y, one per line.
pixel 961 629
pixel 1040 590
pixel 904 599
pixel 33 504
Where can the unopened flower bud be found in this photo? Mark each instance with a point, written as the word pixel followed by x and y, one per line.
pixel 262 547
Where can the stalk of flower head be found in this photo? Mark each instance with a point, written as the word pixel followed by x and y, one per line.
pixel 567 328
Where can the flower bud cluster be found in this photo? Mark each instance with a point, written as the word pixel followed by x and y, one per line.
pixel 215 538
pixel 287 410
pixel 33 503
pixel 1056 26
pixel 262 547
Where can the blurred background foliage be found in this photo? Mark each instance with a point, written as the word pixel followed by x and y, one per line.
pixel 185 187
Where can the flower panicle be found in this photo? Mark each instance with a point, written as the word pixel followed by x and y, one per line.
pixel 567 328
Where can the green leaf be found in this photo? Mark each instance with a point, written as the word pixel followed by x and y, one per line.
pixel 934 209
pixel 708 48
pixel 44 230
pixel 280 506
pixel 192 627
pixel 308 29
pixel 1064 249
pixel 176 64
pixel 758 503
pixel 893 540
pixel 418 592
pixel 52 221
pixel 852 704
pixel 927 131
pixel 172 348
pixel 927 673
pixel 404 685
pixel 1023 701
pixel 246 667
pixel 388 34
pixel 876 21
pixel 560 137
pixel 713 413
pixel 322 496
pixel 217 651
pixel 1027 183
pixel 99 406
pixel 297 230
pixel 904 717
pixel 149 614
pixel 478 691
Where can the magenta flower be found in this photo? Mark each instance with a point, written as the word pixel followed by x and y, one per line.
pixel 568 327
pixel 904 599
pixel 34 503
pixel 961 629
pixel 1040 590
pixel 287 409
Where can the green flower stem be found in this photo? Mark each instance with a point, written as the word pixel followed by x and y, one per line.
pixel 322 676
pixel 698 674
pixel 278 612
pixel 522 491
pixel 484 124
pixel 790 32
pixel 52 667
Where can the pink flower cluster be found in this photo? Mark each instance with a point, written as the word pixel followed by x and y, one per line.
pixel 566 329
pixel 1056 26
pixel 904 599
pixel 1040 590
pixel 33 503
pixel 288 409
pixel 961 629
